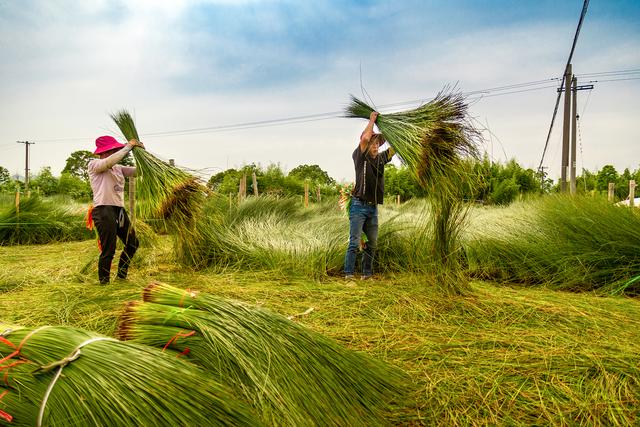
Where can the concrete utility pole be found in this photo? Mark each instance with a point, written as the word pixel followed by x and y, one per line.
pixel 26 163
pixel 565 130
pixel 574 130
pixel 570 131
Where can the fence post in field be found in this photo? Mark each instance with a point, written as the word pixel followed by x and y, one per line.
pixel 611 188
pixel 172 162
pixel 255 184
pixel 242 190
pixel 632 192
pixel 306 194
pixel 132 201
pixel 17 201
pixel 318 195
pixel 398 200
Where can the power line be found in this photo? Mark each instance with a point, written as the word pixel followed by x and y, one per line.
pixel 573 47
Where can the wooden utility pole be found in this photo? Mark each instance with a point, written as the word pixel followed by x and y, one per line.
pixel 574 127
pixel 26 164
pixel 612 187
pixel 565 130
pixel 632 192
pixel 255 184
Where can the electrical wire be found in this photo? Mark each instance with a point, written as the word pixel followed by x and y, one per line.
pixel 585 5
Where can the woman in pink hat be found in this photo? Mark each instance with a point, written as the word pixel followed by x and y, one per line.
pixel 108 214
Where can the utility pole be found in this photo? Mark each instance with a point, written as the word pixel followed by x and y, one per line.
pixel 565 130
pixel 570 131
pixel 26 163
pixel 574 127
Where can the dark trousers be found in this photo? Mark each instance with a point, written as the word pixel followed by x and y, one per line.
pixel 112 222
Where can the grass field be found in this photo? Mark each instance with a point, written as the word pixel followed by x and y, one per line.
pixel 500 355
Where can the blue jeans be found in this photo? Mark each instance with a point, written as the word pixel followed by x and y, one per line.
pixel 363 217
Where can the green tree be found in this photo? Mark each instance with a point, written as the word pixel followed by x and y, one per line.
pixel 606 175
pixel 77 164
pixel 5 177
pixel 74 186
pixel 45 182
pixel 313 173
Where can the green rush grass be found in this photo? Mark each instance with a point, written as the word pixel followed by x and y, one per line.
pixel 292 375
pixel 576 243
pixel 104 382
pixel 37 221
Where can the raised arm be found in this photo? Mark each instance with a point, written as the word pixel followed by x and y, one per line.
pixel 102 165
pixel 368 132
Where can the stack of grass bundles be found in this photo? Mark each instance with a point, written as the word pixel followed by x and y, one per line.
pixel 61 376
pixel 292 375
pixel 431 139
pixel 164 191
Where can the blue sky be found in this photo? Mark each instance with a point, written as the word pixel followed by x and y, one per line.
pixel 183 64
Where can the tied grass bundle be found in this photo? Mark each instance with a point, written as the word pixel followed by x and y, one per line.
pixel 431 139
pixel 292 375
pixel 105 382
pixel 164 191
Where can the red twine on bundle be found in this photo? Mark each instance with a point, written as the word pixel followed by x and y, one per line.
pixel 176 336
pixel 3 415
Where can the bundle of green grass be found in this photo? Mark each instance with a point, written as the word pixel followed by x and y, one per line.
pixel 290 374
pixel 576 243
pixel 36 221
pixel 61 376
pixel 431 139
pixel 163 191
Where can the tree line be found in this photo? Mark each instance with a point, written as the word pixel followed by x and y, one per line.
pixel 492 183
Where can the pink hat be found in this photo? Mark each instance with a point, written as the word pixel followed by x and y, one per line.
pixel 106 143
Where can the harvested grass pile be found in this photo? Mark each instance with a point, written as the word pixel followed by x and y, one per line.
pixel 291 375
pixel 39 222
pixel 431 139
pixel 570 243
pixel 164 191
pixel 61 376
